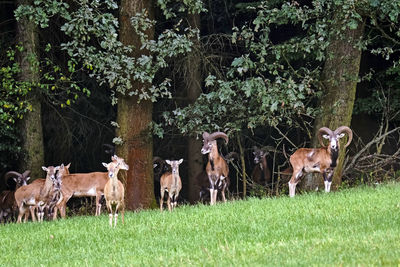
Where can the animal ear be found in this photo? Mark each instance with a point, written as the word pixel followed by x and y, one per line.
pixel 44 168
pixel 15 179
pixel 69 165
pixel 341 135
pixel 168 161
pixel 154 165
pixel 180 161
pixel 27 179
pixel 104 164
pixel 325 136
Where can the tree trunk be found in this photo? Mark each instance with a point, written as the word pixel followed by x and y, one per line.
pixel 134 120
pixel 193 80
pixel 339 79
pixel 31 125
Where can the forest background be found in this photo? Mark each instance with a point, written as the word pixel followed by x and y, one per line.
pixel 150 76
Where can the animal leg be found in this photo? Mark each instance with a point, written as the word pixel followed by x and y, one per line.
pixel 169 201
pixel 98 205
pixel 161 199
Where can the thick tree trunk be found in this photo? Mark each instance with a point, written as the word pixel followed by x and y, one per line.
pixel 31 125
pixel 134 119
pixel 193 87
pixel 339 78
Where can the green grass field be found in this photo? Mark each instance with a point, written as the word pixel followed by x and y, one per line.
pixel 358 226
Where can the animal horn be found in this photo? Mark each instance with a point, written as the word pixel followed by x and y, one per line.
pixel 322 131
pixel 346 130
pixel 206 135
pixel 10 174
pixel 216 135
pixel 26 173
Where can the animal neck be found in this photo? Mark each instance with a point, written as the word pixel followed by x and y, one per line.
pixel 175 177
pixel 334 156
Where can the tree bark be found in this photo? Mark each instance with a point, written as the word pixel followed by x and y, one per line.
pixel 193 79
pixel 134 120
pixel 339 80
pixel 31 125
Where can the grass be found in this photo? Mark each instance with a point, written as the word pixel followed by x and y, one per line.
pixel 358 226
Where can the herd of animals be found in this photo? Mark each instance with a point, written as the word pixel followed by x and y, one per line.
pixel 49 196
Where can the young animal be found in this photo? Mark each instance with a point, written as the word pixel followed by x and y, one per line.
pixel 322 160
pixel 114 191
pixel 171 182
pixel 217 168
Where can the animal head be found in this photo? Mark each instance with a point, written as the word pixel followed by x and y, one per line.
pixel 112 168
pixel 121 162
pixel 20 179
pixel 209 141
pixel 174 165
pixel 334 136
pixel 258 154
pixel 51 174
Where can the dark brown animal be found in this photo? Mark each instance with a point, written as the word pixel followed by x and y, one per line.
pixel 217 168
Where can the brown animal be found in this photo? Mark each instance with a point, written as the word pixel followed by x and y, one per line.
pixel 36 195
pixel 8 206
pixel 114 191
pixel 322 160
pixel 85 185
pixel 217 168
pixel 171 182
pixel 261 173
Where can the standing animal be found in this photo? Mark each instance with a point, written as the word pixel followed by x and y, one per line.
pixel 217 168
pixel 36 195
pixel 171 182
pixel 86 185
pixel 114 191
pixel 261 173
pixel 322 160
pixel 8 206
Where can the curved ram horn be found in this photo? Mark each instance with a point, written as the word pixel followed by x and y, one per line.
pixel 216 135
pixel 26 173
pixel 346 130
pixel 206 135
pixel 321 131
pixel 10 174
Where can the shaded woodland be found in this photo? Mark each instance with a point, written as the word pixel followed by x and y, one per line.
pixel 149 78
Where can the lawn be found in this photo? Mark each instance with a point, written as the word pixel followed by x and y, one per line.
pixel 359 226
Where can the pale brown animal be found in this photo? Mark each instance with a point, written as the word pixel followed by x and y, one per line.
pixel 114 191
pixel 217 169
pixel 85 185
pixel 171 182
pixel 36 195
pixel 322 160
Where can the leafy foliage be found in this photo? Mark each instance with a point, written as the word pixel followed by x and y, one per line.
pixel 92 29
pixel 278 77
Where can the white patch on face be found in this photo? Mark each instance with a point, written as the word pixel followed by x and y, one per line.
pixel 333 143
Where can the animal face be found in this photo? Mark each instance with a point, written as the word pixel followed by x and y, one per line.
pixel 121 162
pixel 333 140
pixel 259 155
pixel 207 146
pixel 174 165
